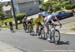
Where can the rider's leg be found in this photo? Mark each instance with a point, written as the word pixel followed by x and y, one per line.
pixel 41 27
pixel 47 27
pixel 37 28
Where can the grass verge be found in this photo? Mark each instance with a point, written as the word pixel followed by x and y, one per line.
pixel 73 29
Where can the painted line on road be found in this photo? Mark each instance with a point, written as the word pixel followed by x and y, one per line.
pixel 59 50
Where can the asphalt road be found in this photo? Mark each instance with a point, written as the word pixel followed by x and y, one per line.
pixel 27 43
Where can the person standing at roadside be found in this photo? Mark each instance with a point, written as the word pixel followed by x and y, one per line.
pixel 11 26
pixel 73 10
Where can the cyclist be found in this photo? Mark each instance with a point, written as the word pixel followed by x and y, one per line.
pixel 39 22
pixel 29 24
pixel 11 26
pixel 50 20
pixel 24 23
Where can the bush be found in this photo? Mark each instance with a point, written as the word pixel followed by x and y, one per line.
pixel 2 14
pixel 73 6
pixel 68 7
pixel 73 29
pixel 20 16
pixel 57 7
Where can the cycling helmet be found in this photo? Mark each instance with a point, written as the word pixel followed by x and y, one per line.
pixel 45 14
pixel 40 14
pixel 53 16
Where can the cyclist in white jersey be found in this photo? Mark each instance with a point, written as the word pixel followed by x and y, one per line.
pixel 50 20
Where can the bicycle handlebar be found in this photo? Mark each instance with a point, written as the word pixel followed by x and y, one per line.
pixel 57 25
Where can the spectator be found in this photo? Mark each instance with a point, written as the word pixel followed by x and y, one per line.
pixel 73 10
pixel 11 26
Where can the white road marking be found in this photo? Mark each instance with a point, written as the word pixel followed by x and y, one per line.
pixel 59 50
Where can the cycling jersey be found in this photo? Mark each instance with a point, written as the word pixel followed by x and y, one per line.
pixel 39 20
pixel 49 19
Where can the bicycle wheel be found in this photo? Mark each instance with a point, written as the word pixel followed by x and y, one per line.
pixel 25 27
pixel 52 39
pixel 11 28
pixel 42 34
pixel 56 36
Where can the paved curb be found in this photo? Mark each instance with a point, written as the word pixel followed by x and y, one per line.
pixel 7 48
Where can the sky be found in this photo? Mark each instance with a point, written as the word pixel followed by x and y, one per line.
pixel 4 0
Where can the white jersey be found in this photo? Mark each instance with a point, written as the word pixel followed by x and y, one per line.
pixel 48 18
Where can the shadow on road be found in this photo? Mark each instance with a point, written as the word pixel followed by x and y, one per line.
pixel 63 43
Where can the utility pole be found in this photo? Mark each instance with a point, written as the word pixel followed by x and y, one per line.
pixel 14 14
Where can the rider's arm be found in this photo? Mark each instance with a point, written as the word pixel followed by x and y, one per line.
pixel 57 20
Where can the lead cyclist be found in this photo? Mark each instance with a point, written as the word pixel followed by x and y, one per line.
pixel 49 20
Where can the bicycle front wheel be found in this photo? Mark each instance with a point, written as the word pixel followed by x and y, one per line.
pixel 56 36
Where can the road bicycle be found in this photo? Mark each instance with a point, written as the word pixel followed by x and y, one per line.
pixel 54 34
pixel 42 33
pixel 24 26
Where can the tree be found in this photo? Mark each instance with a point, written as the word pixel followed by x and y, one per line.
pixel 40 2
pixel 1 6
pixel 46 5
pixel 56 6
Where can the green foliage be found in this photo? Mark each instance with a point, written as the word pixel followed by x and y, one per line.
pixel 2 14
pixel 40 2
pixel 57 7
pixel 63 1
pixel 68 7
pixel 73 6
pixel 20 16
pixel 9 3
pixel 53 3
pixel 9 20
pixel 1 7
pixel 46 5
pixel 66 3
pixel 73 29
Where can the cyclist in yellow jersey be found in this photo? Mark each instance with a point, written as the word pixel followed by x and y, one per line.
pixel 39 21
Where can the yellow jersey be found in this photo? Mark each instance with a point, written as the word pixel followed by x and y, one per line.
pixel 39 19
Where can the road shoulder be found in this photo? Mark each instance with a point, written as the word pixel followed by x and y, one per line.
pixel 8 48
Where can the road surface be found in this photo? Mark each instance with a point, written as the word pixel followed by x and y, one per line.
pixel 26 43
